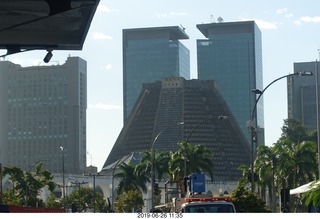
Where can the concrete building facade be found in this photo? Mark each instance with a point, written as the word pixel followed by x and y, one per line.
pixel 43 108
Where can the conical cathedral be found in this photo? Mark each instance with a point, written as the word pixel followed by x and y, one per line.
pixel 174 110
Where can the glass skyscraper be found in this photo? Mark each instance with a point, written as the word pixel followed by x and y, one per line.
pixel 150 54
pixel 232 56
pixel 43 108
pixel 302 95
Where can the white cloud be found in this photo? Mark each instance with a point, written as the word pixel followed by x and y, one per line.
pixel 104 8
pixel 109 67
pixel 284 11
pixel 289 15
pixel 101 36
pixel 298 23
pixel 263 24
pixel 307 19
pixel 103 106
pixel 165 15
pixel 266 25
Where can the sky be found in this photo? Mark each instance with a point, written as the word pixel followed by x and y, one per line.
pixel 290 33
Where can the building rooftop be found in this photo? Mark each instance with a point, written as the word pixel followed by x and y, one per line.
pixel 175 32
pixel 227 26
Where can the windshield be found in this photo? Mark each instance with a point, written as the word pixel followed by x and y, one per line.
pixel 212 208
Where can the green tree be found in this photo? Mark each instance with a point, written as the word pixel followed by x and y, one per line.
pixel 289 163
pixel 296 163
pixel 83 198
pixel 264 167
pixel 160 167
pixel 312 197
pixel 160 164
pixel 130 179
pixel 130 201
pixel 246 201
pixel 52 203
pixel 27 186
pixel 294 131
pixel 197 158
pixel 245 173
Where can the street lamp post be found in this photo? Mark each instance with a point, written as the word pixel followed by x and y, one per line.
pixel 63 179
pixel 194 128
pixel 253 129
pixel 152 161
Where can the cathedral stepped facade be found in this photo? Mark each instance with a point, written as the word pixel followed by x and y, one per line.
pixel 164 104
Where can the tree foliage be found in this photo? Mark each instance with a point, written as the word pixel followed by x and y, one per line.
pixel 83 199
pixel 312 197
pixel 26 186
pixel 160 163
pixel 246 201
pixel 192 159
pixel 130 201
pixel 131 179
pixel 289 163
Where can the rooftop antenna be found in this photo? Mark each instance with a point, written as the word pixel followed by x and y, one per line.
pixel 183 28
pixel 220 19
pixel 212 19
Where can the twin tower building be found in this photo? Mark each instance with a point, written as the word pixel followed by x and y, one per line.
pixel 40 111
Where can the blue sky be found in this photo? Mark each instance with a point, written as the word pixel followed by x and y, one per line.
pixel 290 33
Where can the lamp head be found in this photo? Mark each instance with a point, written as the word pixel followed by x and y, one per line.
pixel 48 57
pixel 305 73
pixel 256 91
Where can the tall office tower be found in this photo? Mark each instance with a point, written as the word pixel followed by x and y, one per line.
pixel 150 54
pixel 43 108
pixel 302 95
pixel 164 104
pixel 232 56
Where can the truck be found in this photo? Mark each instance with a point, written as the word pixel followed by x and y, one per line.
pixel 213 204
pixel 196 201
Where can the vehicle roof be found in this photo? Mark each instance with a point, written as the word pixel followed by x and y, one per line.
pixel 208 203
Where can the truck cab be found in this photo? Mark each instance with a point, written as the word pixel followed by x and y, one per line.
pixel 208 207
pixel 196 201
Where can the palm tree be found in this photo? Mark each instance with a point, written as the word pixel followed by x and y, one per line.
pixel 312 197
pixel 265 164
pixel 198 158
pixel 296 163
pixel 244 180
pixel 160 163
pixel 192 159
pixel 131 179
